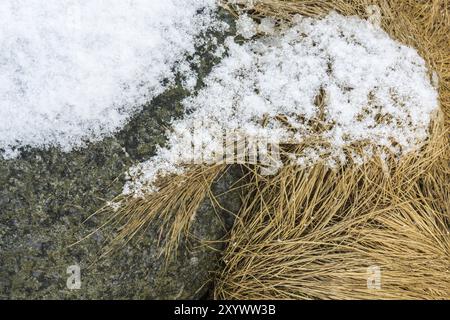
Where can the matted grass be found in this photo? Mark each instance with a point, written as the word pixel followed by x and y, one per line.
pixel 313 234
pixel 319 234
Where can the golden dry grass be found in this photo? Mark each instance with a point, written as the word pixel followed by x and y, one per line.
pixel 174 205
pixel 313 234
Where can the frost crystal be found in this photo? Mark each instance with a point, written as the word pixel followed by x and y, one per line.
pixel 267 25
pixel 337 82
pixel 246 27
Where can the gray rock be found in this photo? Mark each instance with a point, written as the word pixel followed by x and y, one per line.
pixel 45 195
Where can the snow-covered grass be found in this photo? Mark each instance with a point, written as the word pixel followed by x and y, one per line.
pixel 337 82
pixel 76 70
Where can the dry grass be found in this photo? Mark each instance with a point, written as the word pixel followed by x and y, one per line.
pixel 312 234
pixel 174 205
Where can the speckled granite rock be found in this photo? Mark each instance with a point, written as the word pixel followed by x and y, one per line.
pixel 46 195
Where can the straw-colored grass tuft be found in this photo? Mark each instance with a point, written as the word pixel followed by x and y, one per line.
pixel 319 234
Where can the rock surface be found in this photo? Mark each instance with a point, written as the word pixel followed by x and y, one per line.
pixel 46 195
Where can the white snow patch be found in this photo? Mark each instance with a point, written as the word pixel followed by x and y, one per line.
pixel 267 25
pixel 377 91
pixel 246 27
pixel 76 70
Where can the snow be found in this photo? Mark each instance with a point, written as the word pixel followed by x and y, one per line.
pixel 245 26
pixel 376 93
pixel 267 25
pixel 74 71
